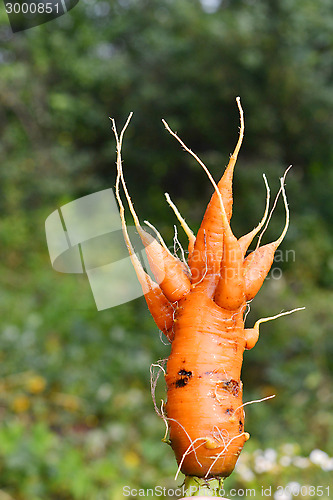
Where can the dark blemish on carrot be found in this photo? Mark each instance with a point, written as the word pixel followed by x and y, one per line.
pixel 181 382
pixel 184 378
pixel 241 427
pixel 229 411
pixel 184 373
pixel 231 386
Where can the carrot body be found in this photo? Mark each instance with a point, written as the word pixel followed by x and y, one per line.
pixel 204 387
pixel 202 315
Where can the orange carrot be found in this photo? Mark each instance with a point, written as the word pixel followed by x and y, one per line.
pixel 204 410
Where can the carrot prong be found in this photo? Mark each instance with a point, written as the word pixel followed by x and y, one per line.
pixel 282 180
pixel 285 201
pixel 225 184
pixel 258 263
pixel 224 217
pixel 252 334
pixel 158 234
pixel 167 269
pixel 246 240
pixel 183 223
pixel 159 306
pixel 120 203
pixel 211 253
pixel 234 156
pixel 253 402
pixel 271 318
pixel 206 256
pixel 176 243
pixel 230 290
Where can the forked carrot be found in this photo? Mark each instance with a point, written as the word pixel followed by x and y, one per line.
pixel 202 313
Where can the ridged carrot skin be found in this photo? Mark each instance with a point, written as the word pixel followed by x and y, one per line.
pixel 202 314
pixel 204 387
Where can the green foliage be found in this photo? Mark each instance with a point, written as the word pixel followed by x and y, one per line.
pixel 77 418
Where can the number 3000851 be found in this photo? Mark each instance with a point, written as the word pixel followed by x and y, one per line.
pixel 302 491
pixel 32 8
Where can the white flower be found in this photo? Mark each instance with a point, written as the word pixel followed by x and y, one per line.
pixel 261 464
pixel 285 461
pixel 288 449
pixel 318 457
pixel 104 392
pixel 96 442
pixel 301 462
pixel 294 488
pixel 270 455
pixel 328 465
pixel 282 495
pixel 245 472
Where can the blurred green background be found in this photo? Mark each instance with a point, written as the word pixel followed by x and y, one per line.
pixel 76 417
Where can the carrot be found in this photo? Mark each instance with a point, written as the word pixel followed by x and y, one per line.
pixel 204 410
